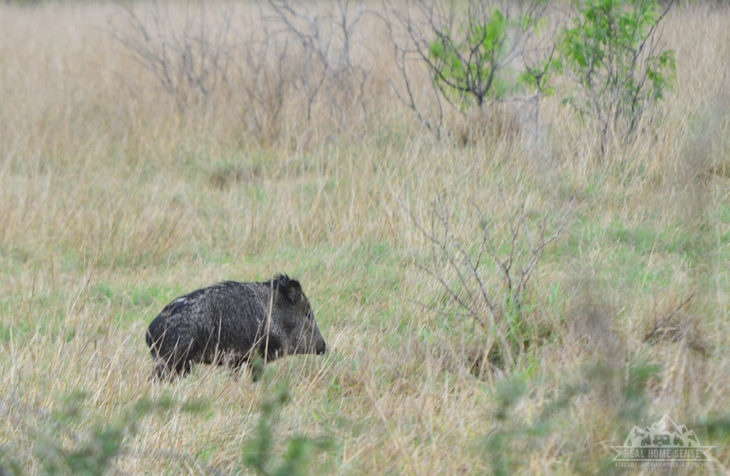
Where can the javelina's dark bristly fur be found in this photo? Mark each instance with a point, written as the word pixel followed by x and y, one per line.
pixel 231 322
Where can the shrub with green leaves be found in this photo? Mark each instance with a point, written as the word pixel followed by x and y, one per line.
pixel 514 435
pixel 467 66
pixel 259 453
pixel 469 50
pixel 62 446
pixel 613 52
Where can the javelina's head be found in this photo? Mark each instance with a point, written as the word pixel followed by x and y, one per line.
pixel 297 323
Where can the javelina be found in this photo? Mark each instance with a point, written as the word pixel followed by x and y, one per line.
pixel 229 323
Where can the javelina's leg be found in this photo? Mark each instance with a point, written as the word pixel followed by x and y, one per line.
pixel 183 367
pixel 234 364
pixel 165 371
pixel 175 363
pixel 257 368
pixel 181 361
pixel 162 371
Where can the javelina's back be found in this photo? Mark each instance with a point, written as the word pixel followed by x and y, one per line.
pixel 229 322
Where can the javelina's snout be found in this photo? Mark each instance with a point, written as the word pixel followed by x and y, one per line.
pixel 321 347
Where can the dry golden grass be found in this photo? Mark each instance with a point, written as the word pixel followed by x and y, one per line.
pixel 113 200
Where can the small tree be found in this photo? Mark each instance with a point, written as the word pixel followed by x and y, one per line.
pixel 468 53
pixel 466 70
pixel 540 57
pixel 613 53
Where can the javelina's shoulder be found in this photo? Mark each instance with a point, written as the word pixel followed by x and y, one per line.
pixel 194 299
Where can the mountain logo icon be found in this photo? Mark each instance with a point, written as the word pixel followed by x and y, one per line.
pixel 663 442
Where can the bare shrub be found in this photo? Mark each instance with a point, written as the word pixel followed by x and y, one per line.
pixel 190 56
pixel 462 267
pixel 264 74
pixel 297 58
pixel 195 53
pixel 324 40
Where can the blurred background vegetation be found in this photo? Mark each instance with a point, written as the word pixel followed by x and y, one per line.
pixel 512 221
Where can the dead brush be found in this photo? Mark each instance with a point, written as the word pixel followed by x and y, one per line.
pixel 462 267
pixel 190 56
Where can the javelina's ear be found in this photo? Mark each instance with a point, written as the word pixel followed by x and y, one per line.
pixel 293 290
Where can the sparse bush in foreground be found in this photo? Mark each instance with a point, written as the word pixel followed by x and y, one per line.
pixel 92 452
pixel 61 449
pixel 259 453
pixel 461 267
pixel 513 435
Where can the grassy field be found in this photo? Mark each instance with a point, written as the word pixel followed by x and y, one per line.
pixel 116 196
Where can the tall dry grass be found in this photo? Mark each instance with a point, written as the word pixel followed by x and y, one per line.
pixel 114 200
